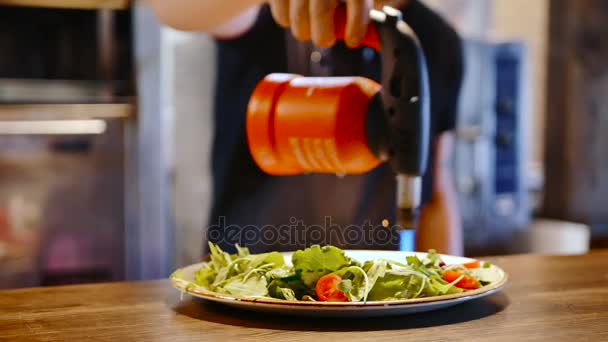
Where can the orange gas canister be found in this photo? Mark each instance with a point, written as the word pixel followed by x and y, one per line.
pixel 301 125
pixel 349 125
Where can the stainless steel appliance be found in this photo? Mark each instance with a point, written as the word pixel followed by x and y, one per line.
pixel 65 105
pixel 490 147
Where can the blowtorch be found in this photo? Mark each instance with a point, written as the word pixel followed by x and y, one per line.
pixel 349 125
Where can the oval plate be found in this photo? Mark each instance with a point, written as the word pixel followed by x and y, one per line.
pixel 337 309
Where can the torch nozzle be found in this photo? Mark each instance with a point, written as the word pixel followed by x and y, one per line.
pixel 407 218
pixel 409 190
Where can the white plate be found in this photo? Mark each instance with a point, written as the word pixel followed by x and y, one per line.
pixel 350 309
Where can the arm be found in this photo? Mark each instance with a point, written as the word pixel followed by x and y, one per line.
pixel 222 19
pixel 440 227
pixel 308 19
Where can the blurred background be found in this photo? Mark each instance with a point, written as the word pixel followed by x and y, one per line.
pixel 105 135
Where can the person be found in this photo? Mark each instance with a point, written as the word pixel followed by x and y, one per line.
pixel 253 40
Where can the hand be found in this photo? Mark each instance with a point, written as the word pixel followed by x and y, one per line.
pixel 314 19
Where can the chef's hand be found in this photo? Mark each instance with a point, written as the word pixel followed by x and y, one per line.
pixel 314 19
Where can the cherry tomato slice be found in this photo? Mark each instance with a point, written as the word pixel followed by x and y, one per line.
pixel 327 289
pixel 472 264
pixel 466 282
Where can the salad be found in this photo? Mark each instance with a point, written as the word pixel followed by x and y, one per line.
pixel 327 274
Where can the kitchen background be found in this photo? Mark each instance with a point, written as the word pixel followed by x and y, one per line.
pixel 105 134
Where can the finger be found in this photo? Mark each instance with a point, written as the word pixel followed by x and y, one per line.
pixel 378 4
pixel 399 4
pixel 357 19
pixel 280 11
pixel 322 22
pixel 299 17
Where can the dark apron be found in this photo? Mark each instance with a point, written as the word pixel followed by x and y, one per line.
pixel 292 212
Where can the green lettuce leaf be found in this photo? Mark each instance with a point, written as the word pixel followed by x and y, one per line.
pixel 281 272
pixel 276 288
pixel 316 261
pixel 287 293
pixel 438 286
pixel 204 276
pixel 219 258
pixel 391 286
pixel 355 283
pixel 251 287
pixel 485 274
pixel 376 270
pixel 323 259
pixel 242 251
pixel 432 259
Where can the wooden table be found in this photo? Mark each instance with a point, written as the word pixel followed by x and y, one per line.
pixel 547 299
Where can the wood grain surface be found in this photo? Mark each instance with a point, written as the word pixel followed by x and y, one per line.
pixel 547 299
